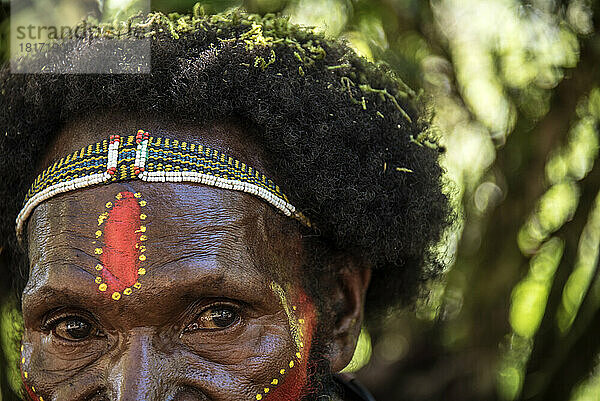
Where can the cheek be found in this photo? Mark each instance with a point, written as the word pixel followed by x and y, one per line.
pixel 50 367
pixel 293 376
pixel 33 385
pixel 247 366
pixel 24 365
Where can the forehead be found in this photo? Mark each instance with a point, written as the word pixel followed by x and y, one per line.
pixel 180 217
pixel 188 224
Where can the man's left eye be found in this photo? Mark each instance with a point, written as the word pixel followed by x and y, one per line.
pixel 214 318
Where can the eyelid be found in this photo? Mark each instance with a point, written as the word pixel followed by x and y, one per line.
pixel 237 308
pixel 54 317
pixel 196 308
pixel 218 303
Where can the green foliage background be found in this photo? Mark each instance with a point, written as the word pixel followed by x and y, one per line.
pixel 515 88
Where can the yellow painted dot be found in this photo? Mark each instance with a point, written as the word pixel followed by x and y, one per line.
pixel 22 360
pixel 282 371
pixel 119 196
pixel 266 390
pixel 33 388
pixel 116 296
pixel 102 217
pixel 109 204
pixel 41 399
pixel 21 347
pixel 137 285
pixel 142 248
pixel 98 251
pixel 258 396
pixel 26 375
pixel 141 271
pixel 143 229
pixel 142 203
pixel 143 216
pixel 99 267
pixel 142 257
pixel 98 280
pixel 98 233
pixel 301 321
pixel 301 344
pixel 291 364
pixel 298 355
pixel 127 291
pixel 294 307
pixel 143 238
pixel 137 195
pixel 274 382
pixel 102 287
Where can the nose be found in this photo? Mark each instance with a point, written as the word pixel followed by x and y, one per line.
pixel 137 373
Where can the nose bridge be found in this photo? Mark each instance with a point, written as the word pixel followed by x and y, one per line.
pixel 136 375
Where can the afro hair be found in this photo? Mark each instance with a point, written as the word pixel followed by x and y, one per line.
pixel 343 134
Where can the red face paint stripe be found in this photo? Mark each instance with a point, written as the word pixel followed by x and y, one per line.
pixel 122 251
pixel 32 396
pixel 295 379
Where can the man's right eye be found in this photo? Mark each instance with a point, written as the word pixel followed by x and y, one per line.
pixel 73 328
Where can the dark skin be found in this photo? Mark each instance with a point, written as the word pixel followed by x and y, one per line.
pixel 206 323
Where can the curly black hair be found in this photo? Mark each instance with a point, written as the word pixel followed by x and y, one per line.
pixel 343 134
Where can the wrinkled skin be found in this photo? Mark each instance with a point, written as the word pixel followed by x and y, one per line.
pixel 206 323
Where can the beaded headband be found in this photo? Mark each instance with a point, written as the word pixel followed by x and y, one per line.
pixel 151 159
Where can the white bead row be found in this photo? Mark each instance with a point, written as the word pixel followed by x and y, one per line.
pixel 53 190
pixel 140 154
pixel 206 179
pixel 113 154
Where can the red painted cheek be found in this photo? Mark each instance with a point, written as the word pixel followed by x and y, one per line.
pixel 28 390
pixel 296 381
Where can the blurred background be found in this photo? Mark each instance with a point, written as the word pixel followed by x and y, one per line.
pixel 515 88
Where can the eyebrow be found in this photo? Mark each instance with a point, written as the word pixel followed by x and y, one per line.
pixel 217 271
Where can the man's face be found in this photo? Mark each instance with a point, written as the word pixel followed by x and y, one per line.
pixel 165 291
